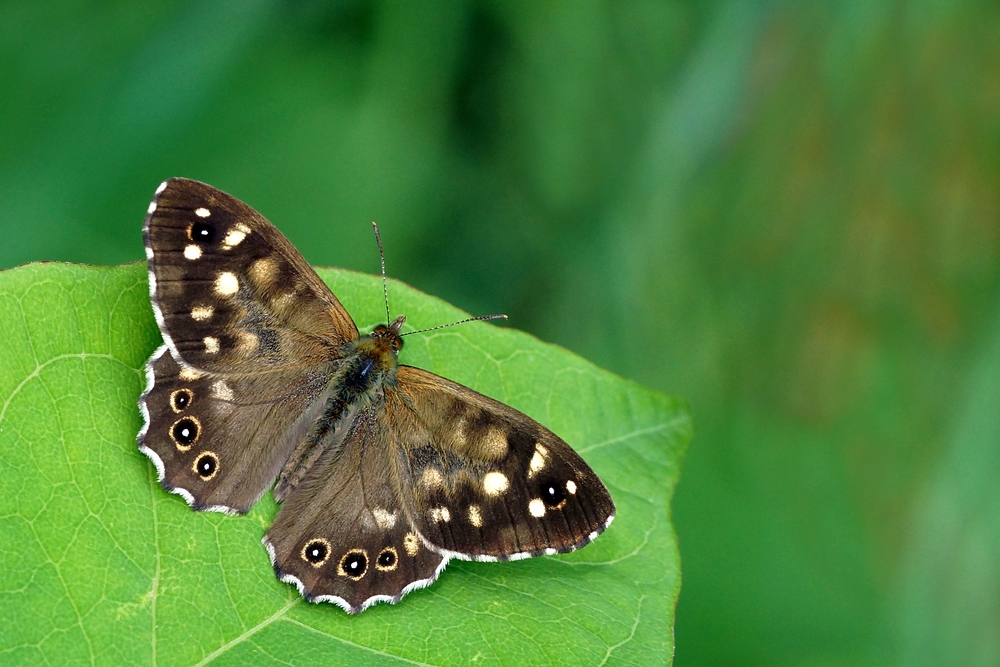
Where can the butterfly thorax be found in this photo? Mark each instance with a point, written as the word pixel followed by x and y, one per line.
pixel 368 363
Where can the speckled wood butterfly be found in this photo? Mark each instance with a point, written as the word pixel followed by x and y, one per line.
pixel 384 471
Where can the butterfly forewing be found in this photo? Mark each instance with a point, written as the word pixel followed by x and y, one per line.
pixel 231 294
pixel 483 481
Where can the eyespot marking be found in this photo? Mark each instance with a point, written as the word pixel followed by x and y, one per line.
pixel 495 483
pixel 439 514
pixel 316 552
pixel 411 543
pixel 206 466
pixel 475 516
pixel 227 284
pixel 211 344
pixel 180 399
pixel 353 564
pixel 387 560
pixel 536 508
pixel 552 495
pixel 384 519
pixel 192 252
pixel 201 232
pixel 202 313
pixel 185 432
pixel 202 212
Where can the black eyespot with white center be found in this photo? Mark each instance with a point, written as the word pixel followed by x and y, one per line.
pixel 354 564
pixel 316 552
pixel 206 465
pixel 553 495
pixel 185 432
pixel 180 399
pixel 387 560
pixel 202 232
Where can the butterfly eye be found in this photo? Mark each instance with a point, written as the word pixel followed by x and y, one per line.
pixel 185 433
pixel 354 564
pixel 202 232
pixel 387 559
pixel 553 496
pixel 316 552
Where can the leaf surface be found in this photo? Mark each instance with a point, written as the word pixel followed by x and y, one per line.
pixel 101 566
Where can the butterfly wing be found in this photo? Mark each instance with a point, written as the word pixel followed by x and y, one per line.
pixel 219 442
pixel 254 336
pixel 342 535
pixel 230 292
pixel 483 481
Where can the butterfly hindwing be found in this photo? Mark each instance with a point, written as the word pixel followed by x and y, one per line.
pixel 341 535
pixel 230 293
pixel 482 481
pixel 218 441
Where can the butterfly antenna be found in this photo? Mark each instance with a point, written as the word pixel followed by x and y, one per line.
pixel 381 256
pixel 498 316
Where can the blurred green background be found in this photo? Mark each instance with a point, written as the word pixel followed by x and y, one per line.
pixel 785 212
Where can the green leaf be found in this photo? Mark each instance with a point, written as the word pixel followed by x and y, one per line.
pixel 102 566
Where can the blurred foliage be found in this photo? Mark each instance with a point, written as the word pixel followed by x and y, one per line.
pixel 785 212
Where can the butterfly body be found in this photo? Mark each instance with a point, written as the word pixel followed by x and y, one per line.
pixel 384 471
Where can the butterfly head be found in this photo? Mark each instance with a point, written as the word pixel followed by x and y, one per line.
pixel 389 335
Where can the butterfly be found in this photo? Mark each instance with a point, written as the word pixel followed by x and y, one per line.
pixel 384 471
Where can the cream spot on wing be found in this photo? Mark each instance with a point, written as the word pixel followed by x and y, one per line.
pixel 475 516
pixel 222 391
pixel 384 519
pixel 189 374
pixel 235 236
pixel 494 444
pixel 431 479
pixel 152 208
pixel 162 187
pixel 202 212
pixel 248 342
pixel 495 483
pixel 211 344
pixel 411 543
pixel 538 460
pixel 571 486
pixel 264 271
pixel 202 313
pixel 191 251
pixel 536 507
pixel 439 514
pixel 227 284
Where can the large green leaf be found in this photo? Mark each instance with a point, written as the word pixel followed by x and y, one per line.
pixel 101 566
